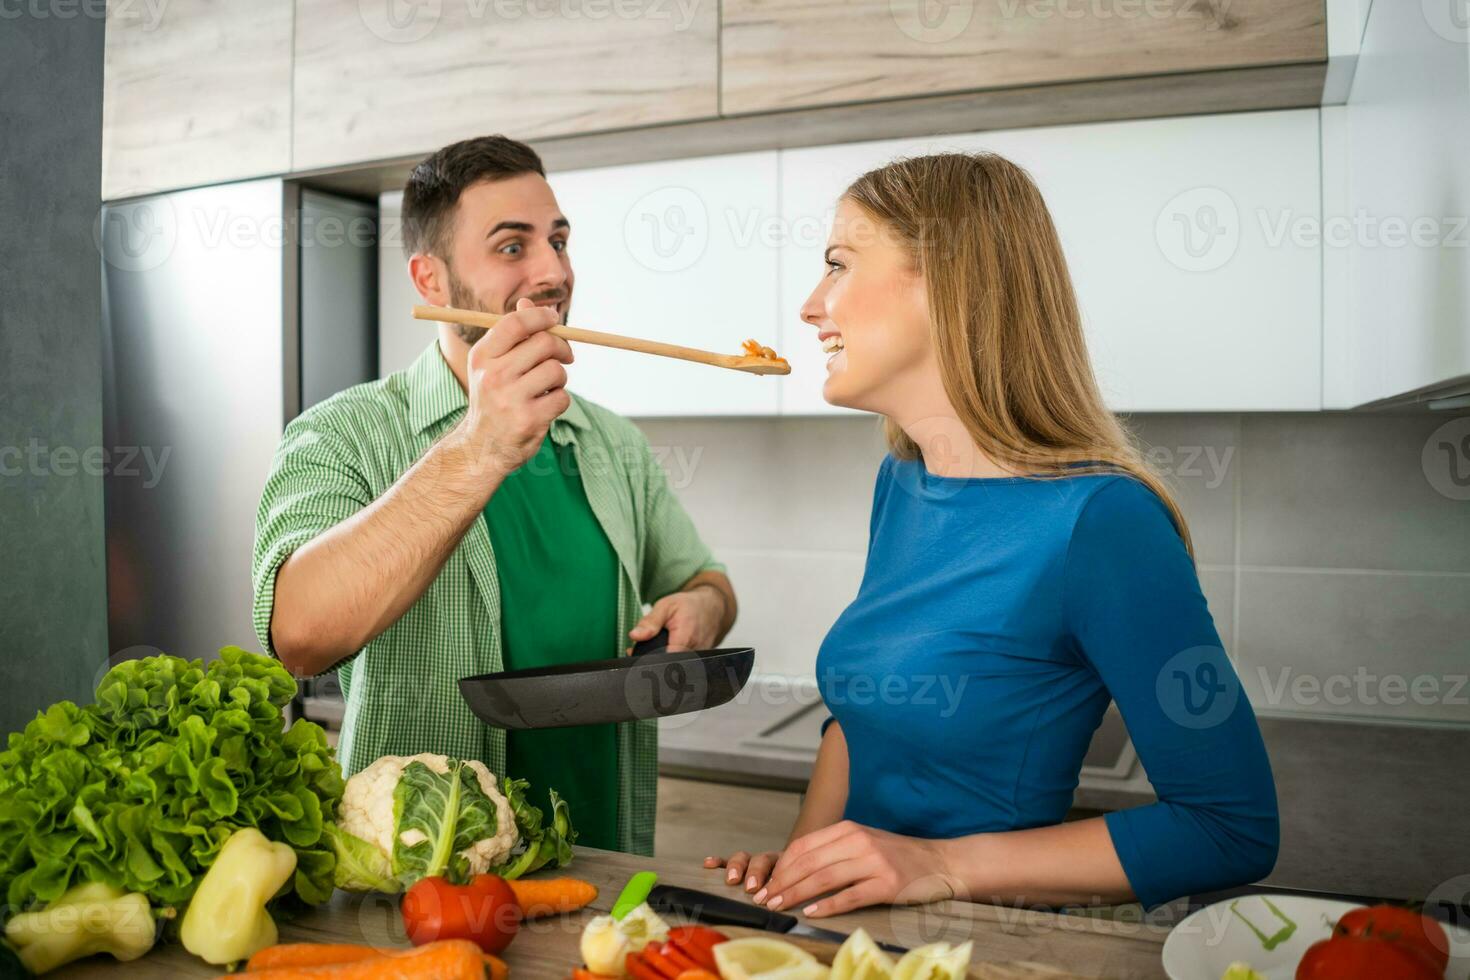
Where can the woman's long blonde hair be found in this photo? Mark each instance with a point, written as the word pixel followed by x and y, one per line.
pixel 1004 318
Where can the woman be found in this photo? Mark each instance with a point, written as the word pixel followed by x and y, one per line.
pixel 1024 569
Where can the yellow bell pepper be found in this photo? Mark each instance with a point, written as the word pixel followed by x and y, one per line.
pixel 86 919
pixel 226 920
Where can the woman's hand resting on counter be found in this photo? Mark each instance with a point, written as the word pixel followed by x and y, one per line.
pixel 853 865
pixel 754 869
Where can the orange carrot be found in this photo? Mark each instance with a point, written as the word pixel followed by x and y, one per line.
pixel 447 959
pixel 496 965
pixel 550 896
pixel 311 954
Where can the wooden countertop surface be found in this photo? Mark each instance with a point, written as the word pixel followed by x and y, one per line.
pixel 1010 944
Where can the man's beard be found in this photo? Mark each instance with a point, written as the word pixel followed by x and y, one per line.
pixel 461 297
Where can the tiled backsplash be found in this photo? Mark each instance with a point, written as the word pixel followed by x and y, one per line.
pixel 1338 574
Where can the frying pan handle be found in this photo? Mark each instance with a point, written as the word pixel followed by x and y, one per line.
pixel 653 644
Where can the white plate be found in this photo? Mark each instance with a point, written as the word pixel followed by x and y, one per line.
pixel 1206 942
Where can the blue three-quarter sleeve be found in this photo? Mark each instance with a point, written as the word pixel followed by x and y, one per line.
pixel 1133 607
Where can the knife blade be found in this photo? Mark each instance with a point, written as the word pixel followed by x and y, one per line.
pixel 707 909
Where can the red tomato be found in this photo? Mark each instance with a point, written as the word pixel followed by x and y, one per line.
pixel 485 912
pixel 1401 927
pixel 1359 958
pixel 697 943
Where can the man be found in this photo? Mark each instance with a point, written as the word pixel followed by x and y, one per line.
pixel 470 515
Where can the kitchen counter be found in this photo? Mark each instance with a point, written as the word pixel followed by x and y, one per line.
pixel 1342 786
pixel 1060 946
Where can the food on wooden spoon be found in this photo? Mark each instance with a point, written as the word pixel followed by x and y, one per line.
pixel 753 349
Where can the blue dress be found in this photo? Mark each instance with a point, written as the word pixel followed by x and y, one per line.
pixel 996 620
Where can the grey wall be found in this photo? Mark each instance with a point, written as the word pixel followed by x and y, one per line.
pixel 1334 549
pixel 53 626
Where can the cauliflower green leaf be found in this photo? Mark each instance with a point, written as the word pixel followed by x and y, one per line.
pixel 437 817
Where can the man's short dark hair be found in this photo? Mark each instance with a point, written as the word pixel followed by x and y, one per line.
pixel 434 186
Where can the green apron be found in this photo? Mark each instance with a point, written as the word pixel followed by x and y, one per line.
pixel 559 603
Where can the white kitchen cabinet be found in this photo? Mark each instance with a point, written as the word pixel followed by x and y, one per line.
pixel 682 251
pixel 1188 240
pixel 1397 256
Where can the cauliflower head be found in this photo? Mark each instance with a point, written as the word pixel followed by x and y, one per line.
pixel 366 810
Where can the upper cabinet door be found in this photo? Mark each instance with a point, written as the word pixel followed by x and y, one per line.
pixel 780 54
pixel 1397 159
pixel 384 79
pixel 683 252
pixel 195 92
pixel 1191 242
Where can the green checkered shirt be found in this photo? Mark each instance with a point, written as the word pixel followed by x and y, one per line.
pixel 401 691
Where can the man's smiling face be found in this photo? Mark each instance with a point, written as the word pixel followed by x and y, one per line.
pixel 508 240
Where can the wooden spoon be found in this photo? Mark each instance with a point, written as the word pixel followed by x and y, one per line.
pixel 735 362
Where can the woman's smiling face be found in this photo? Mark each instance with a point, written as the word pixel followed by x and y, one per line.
pixel 872 310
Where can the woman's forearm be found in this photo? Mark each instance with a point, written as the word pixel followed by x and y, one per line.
pixel 1069 863
pixel 826 792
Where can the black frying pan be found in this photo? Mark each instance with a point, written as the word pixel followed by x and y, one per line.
pixel 648 683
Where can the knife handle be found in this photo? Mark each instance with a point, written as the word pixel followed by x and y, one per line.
pixel 710 909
